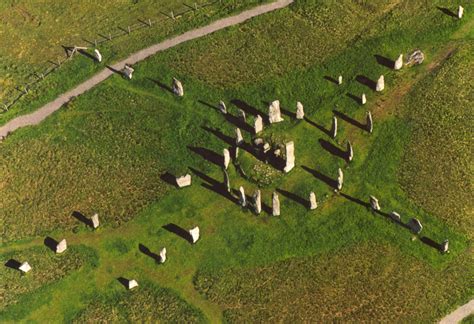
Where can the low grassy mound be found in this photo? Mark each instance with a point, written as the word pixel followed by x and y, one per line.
pixel 358 284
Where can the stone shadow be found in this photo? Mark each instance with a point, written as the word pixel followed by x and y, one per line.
pixel 446 11
pixel 82 218
pixel 366 81
pixel 143 249
pixel 321 128
pixel 327 180
pixel 216 132
pixel 13 264
pixel 334 150
pixel 355 200
pixel 238 122
pixel 181 232
pixel 50 243
pixel 208 105
pixel 355 98
pixel 431 243
pixel 214 185
pixel 161 85
pixel 208 155
pixel 331 79
pixel 247 108
pixel 169 179
pixel 123 281
pixel 349 120
pixel 293 197
pixel 385 61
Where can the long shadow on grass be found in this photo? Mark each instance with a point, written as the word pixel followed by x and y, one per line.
pixel 238 122
pixel 327 180
pixel 208 155
pixel 161 85
pixel 51 243
pixel 208 105
pixel 294 197
pixel 321 128
pixel 214 185
pixel 349 120
pixel 169 179
pixel 446 11
pixel 247 108
pixel 181 232
pixel 143 249
pixel 431 243
pixel 331 79
pixel 80 217
pixel 366 81
pixel 13 264
pixel 334 150
pixel 385 61
pixel 123 281
pixel 355 98
pixel 216 132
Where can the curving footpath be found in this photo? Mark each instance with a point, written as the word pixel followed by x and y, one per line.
pixel 459 314
pixel 39 115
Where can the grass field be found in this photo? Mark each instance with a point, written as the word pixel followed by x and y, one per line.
pixel 107 151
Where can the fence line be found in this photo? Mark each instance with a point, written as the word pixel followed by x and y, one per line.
pixel 16 93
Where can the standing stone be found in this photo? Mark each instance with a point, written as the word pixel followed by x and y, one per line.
pixel 95 221
pixel 415 225
pixel 398 63
pixel 350 151
pixel 444 246
pixel 239 139
pixel 313 204
pixel 98 56
pixel 395 216
pixel 226 158
pixel 257 199
pixel 194 232
pixel 339 80
pixel 24 267
pixel 380 84
pixel 184 181
pixel 243 199
pixel 132 284
pixel 340 179
pixel 226 180
pixel 460 12
pixel 290 156
pixel 61 247
pixel 128 71
pixel 274 113
pixel 178 88
pixel 363 100
pixel 370 122
pixel 275 204
pixel 222 107
pixel 299 110
pixel 374 203
pixel 258 126
pixel 163 255
pixel 334 127
pixel 242 115
pixel 236 154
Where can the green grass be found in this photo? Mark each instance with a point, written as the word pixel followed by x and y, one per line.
pixel 106 151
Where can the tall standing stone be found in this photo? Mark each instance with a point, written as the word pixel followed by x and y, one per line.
pixel 242 198
pixel 222 107
pixel 194 233
pixel 374 203
pixel 257 200
pixel 460 12
pixel 163 255
pixel 226 180
pixel 350 151
pixel 339 80
pixel 398 63
pixel 380 84
pixel 226 158
pixel 340 179
pixel 178 88
pixel 334 127
pixel 24 267
pixel 258 126
pixel 275 204
pixel 444 246
pixel 313 204
pixel 95 221
pixel 363 100
pixel 415 225
pixel 239 139
pixel 97 55
pixel 299 110
pixel 61 246
pixel 370 122
pixel 242 115
pixel 274 113
pixel 290 156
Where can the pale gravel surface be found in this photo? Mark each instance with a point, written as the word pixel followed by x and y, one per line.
pixel 459 314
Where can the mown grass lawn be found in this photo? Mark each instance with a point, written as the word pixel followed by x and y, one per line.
pixel 106 152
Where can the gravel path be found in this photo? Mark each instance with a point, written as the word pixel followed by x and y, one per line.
pixel 460 313
pixel 37 116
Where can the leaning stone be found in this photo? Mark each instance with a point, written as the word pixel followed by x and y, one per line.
pixel 178 88
pixel 24 267
pixel 340 179
pixel 61 247
pixel 290 156
pixel 222 107
pixel 257 199
pixel 274 113
pixel 395 216
pixel 236 154
pixel 417 57
pixel 243 199
pixel 163 255
pixel 226 180
pixel 239 139
pixel 184 181
pixel 132 284
pixel 299 110
pixel 242 115
pixel 128 71
pixel 275 204
pixel 444 246
pixel 226 158
pixel 370 122
pixel 98 56
pixel 334 127
pixel 339 80
pixel 380 84
pixel 460 12
pixel 350 151
pixel 313 204
pixel 374 203
pixel 194 232
pixel 415 225
pixel 258 126
pixel 398 63
pixel 95 220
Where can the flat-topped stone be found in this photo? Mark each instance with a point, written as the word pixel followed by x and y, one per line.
pixel 184 181
pixel 313 204
pixel 132 284
pixel 61 246
pixel 274 113
pixel 24 267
